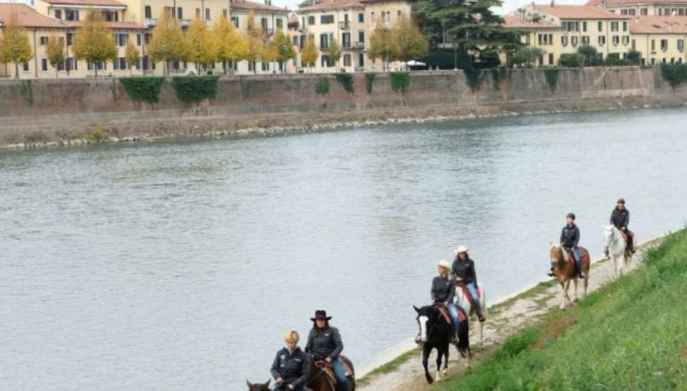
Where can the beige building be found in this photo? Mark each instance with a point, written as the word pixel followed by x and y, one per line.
pixel 561 29
pixel 350 23
pixel 660 39
pixel 643 7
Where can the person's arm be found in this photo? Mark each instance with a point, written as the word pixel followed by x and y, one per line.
pixel 576 238
pixel 563 236
pixel 336 337
pixel 275 369
pixel 433 291
pixel 473 271
pixel 305 373
pixel 308 345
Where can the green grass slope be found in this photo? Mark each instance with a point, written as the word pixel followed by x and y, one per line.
pixel 629 335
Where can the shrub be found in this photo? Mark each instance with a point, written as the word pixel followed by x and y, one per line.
pixel 400 81
pixel 572 60
pixel 193 89
pixel 322 86
pixel 591 55
pixel 346 81
pixel 674 74
pixel 633 57
pixel 369 81
pixel 526 56
pixel 143 89
pixel 552 75
pixel 473 77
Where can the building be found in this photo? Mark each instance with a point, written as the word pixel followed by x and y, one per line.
pixel 62 19
pixel 643 7
pixel 350 23
pixel 561 29
pixel 660 39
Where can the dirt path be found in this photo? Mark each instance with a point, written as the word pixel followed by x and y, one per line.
pixel 504 320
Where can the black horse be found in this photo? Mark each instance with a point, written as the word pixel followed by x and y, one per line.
pixel 435 333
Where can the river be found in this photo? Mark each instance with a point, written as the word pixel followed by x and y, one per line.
pixel 179 266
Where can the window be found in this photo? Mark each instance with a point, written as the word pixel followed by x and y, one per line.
pixel 570 26
pixel 147 38
pixel 347 60
pixel 58 14
pixel 295 40
pixel 574 40
pixel 148 12
pixel 361 18
pixel 280 24
pixel 197 13
pixel 208 15
pixel 251 66
pixel 44 41
pixel 634 44
pixel 626 40
pixel 71 15
pixel 625 26
pixel 653 45
pixel 614 26
pixel 681 45
pixel 122 39
pixel 564 40
pixel 311 20
pixel 326 19
pixel 585 40
pixel 26 67
pixel 225 13
pixel 584 27
pixel 324 41
pixel 361 37
pixel 551 62
pixel 265 66
pixel 235 21
pixel 602 40
pixel 644 11
pixel 361 60
pixel 600 26
pixel 616 40
pixel 664 45
pixel 44 65
pixel 180 13
pixel 346 40
pixel 138 39
pixel 263 24
pixel 69 38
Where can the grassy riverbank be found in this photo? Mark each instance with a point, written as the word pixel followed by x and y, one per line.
pixel 628 335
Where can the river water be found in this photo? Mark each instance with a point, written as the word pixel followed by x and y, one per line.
pixel 179 266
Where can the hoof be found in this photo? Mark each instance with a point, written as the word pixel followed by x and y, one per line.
pixel 445 372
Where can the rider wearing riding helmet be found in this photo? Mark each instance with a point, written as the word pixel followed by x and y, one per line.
pixel 463 270
pixel 324 343
pixel 443 291
pixel 620 218
pixel 570 238
pixel 291 366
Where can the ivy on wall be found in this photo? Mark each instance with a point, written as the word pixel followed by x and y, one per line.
pixel 143 89
pixel 552 75
pixel 322 86
pixel 194 89
pixel 473 77
pixel 346 81
pixel 26 91
pixel 674 74
pixel 400 81
pixel 369 81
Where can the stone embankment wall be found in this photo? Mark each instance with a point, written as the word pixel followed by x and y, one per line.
pixel 61 110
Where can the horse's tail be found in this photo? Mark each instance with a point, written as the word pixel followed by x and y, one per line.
pixel 464 335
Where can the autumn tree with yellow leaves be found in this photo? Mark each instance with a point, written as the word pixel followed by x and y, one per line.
pixel 283 49
pixel 382 45
pixel 201 44
pixel 409 41
pixel 255 41
pixel 132 55
pixel 14 45
pixel 168 42
pixel 310 52
pixel 333 51
pixel 231 45
pixel 55 52
pixel 94 42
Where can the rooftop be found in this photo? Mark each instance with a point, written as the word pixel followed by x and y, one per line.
pixel 620 3
pixel 576 12
pixel 658 25
pixel 520 22
pixel 97 3
pixel 26 16
pixel 324 5
pixel 255 6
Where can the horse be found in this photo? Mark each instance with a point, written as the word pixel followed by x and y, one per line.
pixel 464 302
pixel 615 245
pixel 258 387
pixel 435 333
pixel 563 267
pixel 322 375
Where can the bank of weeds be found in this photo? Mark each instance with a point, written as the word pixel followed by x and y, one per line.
pixel 628 335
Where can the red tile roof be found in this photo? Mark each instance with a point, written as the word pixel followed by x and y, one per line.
pixel 577 12
pixel 255 6
pixel 113 25
pixel 27 16
pixel 517 21
pixel 325 5
pixel 614 3
pixel 659 25
pixel 102 3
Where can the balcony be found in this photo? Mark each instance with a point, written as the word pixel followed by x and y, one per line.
pixel 345 25
pixel 150 22
pixel 358 45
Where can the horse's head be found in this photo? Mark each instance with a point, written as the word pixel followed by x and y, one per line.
pixel 609 235
pixel 556 256
pixel 425 316
pixel 258 387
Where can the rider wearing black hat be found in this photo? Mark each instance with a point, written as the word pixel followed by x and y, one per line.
pixel 570 238
pixel 324 343
pixel 620 218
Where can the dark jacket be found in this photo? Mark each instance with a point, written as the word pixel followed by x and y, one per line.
pixel 293 367
pixel 443 289
pixel 324 343
pixel 465 270
pixel 620 218
pixel 570 236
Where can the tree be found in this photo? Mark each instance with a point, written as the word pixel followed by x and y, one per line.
pixel 14 45
pixel 571 60
pixel 255 38
pixel 410 41
pixel 167 43
pixel 333 51
pixel 200 43
pixel 469 27
pixel 132 55
pixel 310 53
pixel 230 44
pixel 283 49
pixel 590 54
pixel 55 52
pixel 526 56
pixel 382 45
pixel 94 42
pixel 634 57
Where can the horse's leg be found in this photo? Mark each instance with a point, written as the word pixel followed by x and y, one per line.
pixel 481 335
pixel 440 354
pixel 586 282
pixel 562 294
pixel 425 363
pixel 575 282
pixel 446 354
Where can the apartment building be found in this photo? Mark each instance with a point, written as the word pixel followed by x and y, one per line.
pixel 350 23
pixel 643 7
pixel 660 39
pixel 560 29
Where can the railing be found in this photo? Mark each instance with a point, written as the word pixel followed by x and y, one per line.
pixel 345 25
pixel 150 22
pixel 359 45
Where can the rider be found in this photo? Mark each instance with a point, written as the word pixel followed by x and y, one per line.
pixel 620 218
pixel 570 238
pixel 444 290
pixel 464 270
pixel 291 366
pixel 324 343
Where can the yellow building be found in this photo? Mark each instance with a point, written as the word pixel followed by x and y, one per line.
pixel 561 29
pixel 350 23
pixel 660 39
pixel 643 7
pixel 68 17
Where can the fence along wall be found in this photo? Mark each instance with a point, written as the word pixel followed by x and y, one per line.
pixel 76 104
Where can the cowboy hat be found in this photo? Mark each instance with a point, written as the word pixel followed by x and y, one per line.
pixel 291 336
pixel 321 315
pixel 462 249
pixel 443 263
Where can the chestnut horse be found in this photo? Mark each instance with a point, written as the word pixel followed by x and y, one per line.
pixel 258 387
pixel 322 376
pixel 563 267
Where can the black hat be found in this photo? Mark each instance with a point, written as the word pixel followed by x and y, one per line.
pixel 321 315
pixel 571 215
pixel 621 201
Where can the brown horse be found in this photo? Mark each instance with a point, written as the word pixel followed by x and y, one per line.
pixel 563 267
pixel 322 375
pixel 258 387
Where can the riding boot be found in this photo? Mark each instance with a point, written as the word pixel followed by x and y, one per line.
pixel 550 273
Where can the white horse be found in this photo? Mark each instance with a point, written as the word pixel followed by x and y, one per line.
pixel 616 248
pixel 465 303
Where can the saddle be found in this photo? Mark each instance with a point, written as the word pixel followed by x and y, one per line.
pixel 444 313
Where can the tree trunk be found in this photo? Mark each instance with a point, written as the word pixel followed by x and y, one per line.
pixel 16 71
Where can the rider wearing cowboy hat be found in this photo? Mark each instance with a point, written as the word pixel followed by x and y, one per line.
pixel 291 366
pixel 443 291
pixel 620 218
pixel 324 343
pixel 463 269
